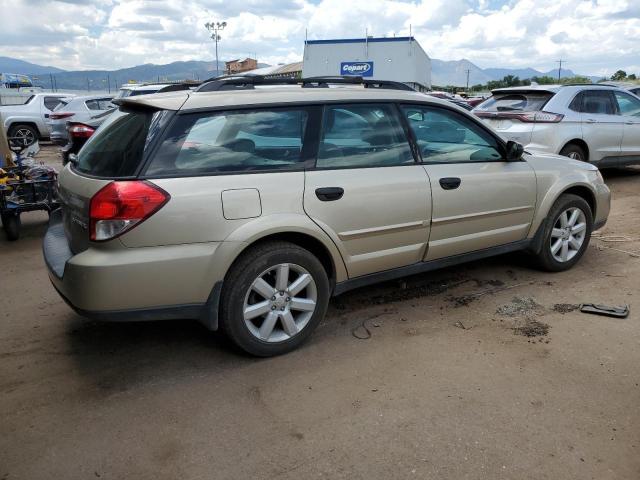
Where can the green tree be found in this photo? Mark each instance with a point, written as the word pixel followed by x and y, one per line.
pixel 619 75
pixel 632 77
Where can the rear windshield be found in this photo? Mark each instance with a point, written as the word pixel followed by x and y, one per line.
pixel 515 102
pixel 117 148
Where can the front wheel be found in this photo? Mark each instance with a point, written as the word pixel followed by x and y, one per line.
pixel 566 233
pixel 273 298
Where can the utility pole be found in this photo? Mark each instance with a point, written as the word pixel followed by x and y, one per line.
pixel 468 72
pixel 109 83
pixel 559 68
pixel 214 28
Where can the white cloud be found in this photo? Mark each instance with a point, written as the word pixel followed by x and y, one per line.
pixel 593 36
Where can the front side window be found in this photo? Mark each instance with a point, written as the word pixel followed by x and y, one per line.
pixel 627 104
pixel 362 135
pixel 233 141
pixel 598 102
pixel 444 136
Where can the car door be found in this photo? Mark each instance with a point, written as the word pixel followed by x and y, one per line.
pixel 479 199
pixel 602 129
pixel 629 109
pixel 366 191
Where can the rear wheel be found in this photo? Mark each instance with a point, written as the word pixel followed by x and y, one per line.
pixel 566 233
pixel 24 135
pixel 11 225
pixel 575 152
pixel 273 298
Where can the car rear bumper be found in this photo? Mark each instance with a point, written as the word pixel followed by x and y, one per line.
pixel 134 284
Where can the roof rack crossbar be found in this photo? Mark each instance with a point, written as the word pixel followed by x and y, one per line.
pixel 231 82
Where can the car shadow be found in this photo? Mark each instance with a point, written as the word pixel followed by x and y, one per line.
pixel 118 357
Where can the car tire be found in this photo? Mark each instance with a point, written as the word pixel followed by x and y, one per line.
pixel 575 152
pixel 572 234
pixel 263 310
pixel 11 225
pixel 27 133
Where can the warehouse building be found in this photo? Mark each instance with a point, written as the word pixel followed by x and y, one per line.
pixel 400 59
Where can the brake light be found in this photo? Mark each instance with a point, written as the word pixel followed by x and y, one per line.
pixel 120 206
pixel 58 116
pixel 81 131
pixel 527 117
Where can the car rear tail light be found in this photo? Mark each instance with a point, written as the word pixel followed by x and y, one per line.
pixel 527 117
pixel 58 116
pixel 81 131
pixel 120 206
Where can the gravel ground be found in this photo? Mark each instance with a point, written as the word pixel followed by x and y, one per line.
pixel 485 371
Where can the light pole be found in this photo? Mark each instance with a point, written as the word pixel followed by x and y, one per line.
pixel 214 28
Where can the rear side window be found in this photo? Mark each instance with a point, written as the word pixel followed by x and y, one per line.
pixel 598 102
pixel 516 102
pixel 117 148
pixel 60 106
pixel 232 141
pixel 576 103
pixel 362 135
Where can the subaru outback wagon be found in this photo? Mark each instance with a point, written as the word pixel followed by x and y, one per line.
pixel 248 209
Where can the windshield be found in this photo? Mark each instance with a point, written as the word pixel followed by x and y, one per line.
pixel 118 146
pixel 515 102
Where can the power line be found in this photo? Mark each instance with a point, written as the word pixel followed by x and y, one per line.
pixel 559 68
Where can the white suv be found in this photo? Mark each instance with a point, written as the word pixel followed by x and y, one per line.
pixel 595 123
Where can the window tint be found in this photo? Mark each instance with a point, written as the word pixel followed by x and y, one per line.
pixel 516 102
pixel 362 136
pixel 576 103
pixel 118 146
pixel 444 136
pixel 51 102
pixel 598 102
pixel 232 142
pixel 627 105
pixel 635 91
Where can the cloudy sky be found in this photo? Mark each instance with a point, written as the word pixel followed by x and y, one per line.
pixel 594 36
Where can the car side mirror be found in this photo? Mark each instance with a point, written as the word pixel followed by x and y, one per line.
pixel 514 151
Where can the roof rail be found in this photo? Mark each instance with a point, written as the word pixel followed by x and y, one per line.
pixel 587 85
pixel 248 82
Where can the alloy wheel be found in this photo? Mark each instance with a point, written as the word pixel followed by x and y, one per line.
pixel 280 302
pixel 568 234
pixel 24 136
pixel 575 156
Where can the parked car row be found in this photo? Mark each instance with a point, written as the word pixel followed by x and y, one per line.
pixel 247 210
pixel 592 123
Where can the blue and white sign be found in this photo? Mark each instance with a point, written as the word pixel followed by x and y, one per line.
pixel 357 69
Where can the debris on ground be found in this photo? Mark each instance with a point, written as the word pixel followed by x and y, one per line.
pixel 362 332
pixel 520 306
pixel 462 300
pixel 532 328
pixel 620 312
pixel 461 325
pixel 565 307
pixel 423 289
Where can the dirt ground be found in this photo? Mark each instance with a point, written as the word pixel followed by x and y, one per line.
pixel 485 371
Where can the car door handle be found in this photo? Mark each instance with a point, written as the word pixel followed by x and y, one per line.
pixel 591 120
pixel 450 183
pixel 329 194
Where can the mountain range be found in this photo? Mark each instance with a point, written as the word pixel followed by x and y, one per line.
pixel 443 73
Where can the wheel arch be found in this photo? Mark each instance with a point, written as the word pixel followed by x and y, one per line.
pixel 583 192
pixel 580 143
